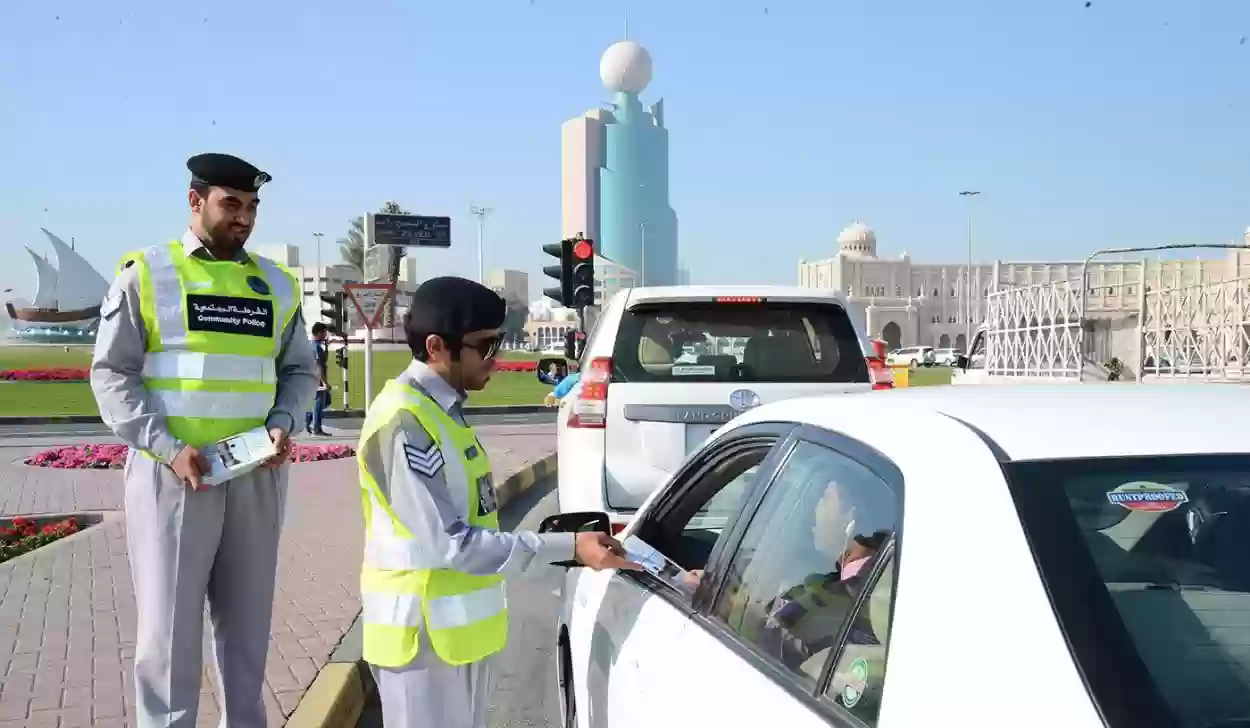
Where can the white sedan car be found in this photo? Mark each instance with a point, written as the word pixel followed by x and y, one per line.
pixel 1072 556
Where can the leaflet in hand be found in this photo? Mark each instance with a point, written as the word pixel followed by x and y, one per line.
pixel 237 455
pixel 656 563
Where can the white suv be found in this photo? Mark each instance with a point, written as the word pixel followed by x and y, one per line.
pixel 665 367
pixel 912 356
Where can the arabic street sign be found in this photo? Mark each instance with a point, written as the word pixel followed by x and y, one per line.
pixel 370 300
pixel 410 230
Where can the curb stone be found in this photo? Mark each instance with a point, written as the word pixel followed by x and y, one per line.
pixel 344 685
pixel 337 414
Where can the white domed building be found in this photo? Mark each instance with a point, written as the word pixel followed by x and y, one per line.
pixel 927 304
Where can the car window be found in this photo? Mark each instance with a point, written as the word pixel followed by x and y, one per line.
pixel 689 530
pixel 757 341
pixel 1167 538
pixel 804 560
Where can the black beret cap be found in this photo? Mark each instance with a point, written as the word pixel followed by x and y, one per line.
pixel 223 170
pixel 454 307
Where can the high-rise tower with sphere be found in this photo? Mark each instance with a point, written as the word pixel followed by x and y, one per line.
pixel 615 178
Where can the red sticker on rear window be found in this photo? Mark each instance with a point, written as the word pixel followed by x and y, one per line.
pixel 1148 497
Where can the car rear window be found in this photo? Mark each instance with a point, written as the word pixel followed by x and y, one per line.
pixel 765 341
pixel 1148 565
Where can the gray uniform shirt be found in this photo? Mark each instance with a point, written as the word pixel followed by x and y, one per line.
pixel 421 497
pixel 117 368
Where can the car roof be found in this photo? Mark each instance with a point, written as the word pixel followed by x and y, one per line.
pixel 1037 421
pixel 650 294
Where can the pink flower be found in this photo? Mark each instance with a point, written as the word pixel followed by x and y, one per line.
pixel 56 374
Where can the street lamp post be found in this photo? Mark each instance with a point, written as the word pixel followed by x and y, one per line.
pixel 970 194
pixel 480 213
pixel 642 274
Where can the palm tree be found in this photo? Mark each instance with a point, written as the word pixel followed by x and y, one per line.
pixel 352 247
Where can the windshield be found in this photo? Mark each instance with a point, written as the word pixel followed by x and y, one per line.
pixel 1148 565
pixel 757 342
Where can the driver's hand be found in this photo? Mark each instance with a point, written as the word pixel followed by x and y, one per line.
pixel 600 551
pixel 693 577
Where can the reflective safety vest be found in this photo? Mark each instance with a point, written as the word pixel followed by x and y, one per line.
pixel 214 329
pixel 464 616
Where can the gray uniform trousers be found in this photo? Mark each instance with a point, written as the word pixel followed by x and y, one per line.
pixel 433 694
pixel 219 543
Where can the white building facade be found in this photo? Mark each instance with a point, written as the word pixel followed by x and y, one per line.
pixel 941 305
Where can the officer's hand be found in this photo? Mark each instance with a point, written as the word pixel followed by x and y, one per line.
pixel 189 465
pixel 600 551
pixel 283 444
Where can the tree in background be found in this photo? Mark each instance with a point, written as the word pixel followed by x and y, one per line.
pixel 352 247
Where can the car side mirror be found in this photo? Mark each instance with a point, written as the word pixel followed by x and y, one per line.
pixel 579 522
pixel 961 361
pixel 544 368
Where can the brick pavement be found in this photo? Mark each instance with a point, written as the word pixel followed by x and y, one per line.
pixel 67 620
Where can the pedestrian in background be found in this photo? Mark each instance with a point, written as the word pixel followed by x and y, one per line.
pixel 433 607
pixel 321 355
pixel 200 341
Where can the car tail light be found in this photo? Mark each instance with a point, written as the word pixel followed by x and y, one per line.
pixel 880 374
pixel 590 409
pixel 878 371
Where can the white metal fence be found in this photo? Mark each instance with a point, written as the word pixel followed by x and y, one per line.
pixel 1196 330
pixel 1034 331
pixel 1170 329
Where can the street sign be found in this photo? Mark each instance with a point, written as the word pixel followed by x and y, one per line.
pixel 410 230
pixel 370 300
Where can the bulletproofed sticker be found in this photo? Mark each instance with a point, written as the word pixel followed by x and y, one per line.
pixel 1147 497
pixel 856 683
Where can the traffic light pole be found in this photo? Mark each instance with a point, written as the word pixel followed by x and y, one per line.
pixel 343 370
pixel 368 366
pixel 368 241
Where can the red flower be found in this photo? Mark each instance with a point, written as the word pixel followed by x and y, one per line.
pixel 56 374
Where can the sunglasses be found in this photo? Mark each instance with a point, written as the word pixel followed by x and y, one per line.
pixel 487 348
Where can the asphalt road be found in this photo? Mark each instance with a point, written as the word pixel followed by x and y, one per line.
pixel 525 692
pixel 344 429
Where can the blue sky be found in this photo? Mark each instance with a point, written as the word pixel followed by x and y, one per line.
pixel 1119 123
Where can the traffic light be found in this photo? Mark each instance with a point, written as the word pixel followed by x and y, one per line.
pixel 562 273
pixel 583 273
pixel 336 313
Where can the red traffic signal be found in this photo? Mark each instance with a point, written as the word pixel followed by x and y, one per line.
pixel 583 250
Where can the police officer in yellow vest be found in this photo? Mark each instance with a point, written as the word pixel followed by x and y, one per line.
pixel 199 341
pixel 432 592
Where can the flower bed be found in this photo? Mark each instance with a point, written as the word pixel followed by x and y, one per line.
pixel 59 374
pixel 23 535
pixel 113 457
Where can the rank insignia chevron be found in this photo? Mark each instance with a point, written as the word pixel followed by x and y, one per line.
pixel 425 462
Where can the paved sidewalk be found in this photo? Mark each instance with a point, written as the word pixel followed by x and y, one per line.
pixel 67 622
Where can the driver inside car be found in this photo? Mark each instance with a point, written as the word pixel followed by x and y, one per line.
pixel 847 531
